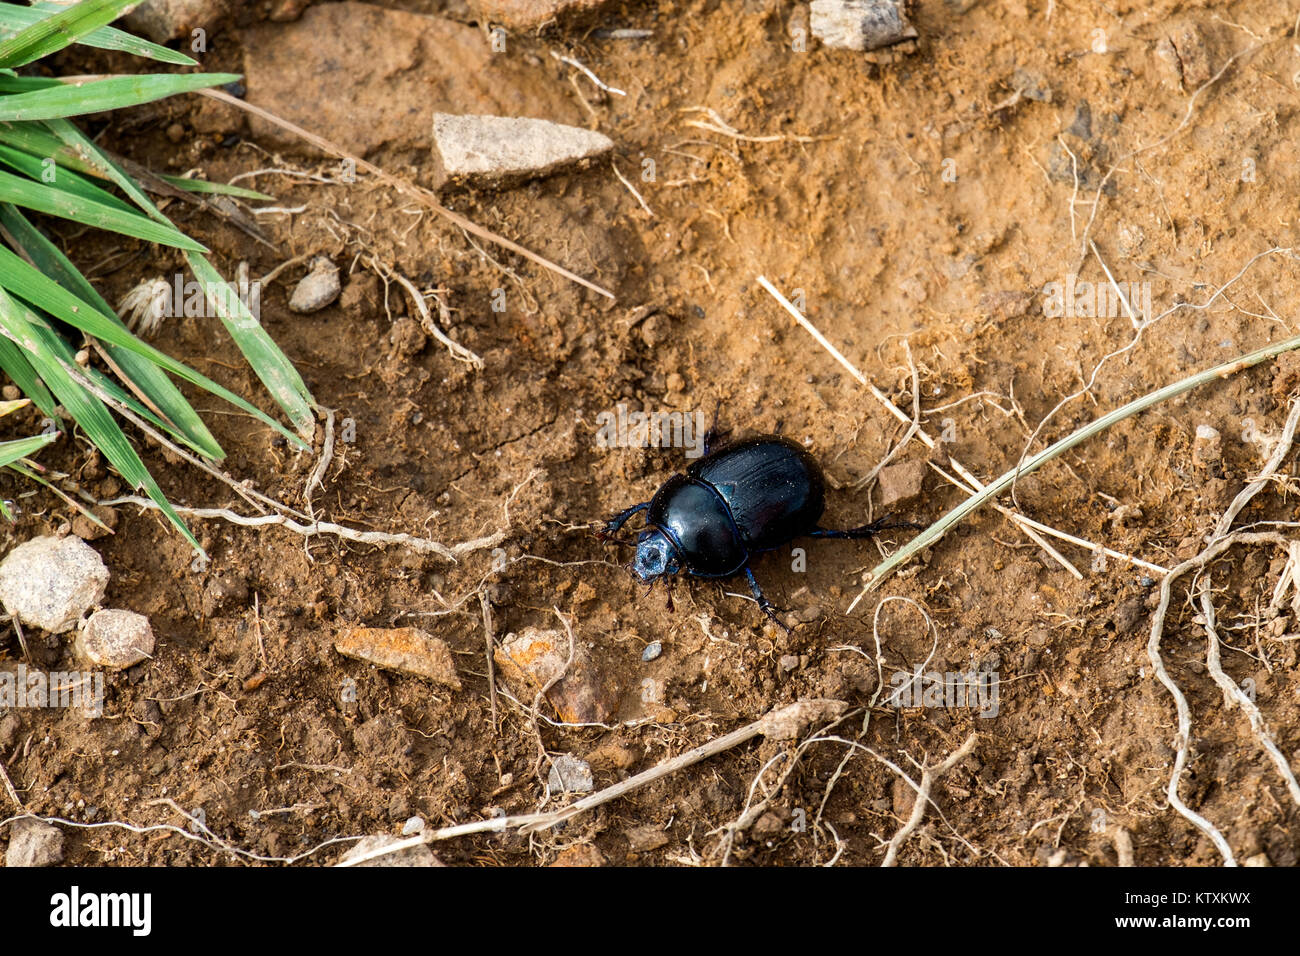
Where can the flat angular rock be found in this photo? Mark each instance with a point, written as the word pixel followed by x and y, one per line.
pixel 34 843
pixel 901 483
pixel 367 77
pixel 860 24
pixel 498 150
pixel 50 582
pixel 531 14
pixel 115 640
pixel 412 856
pixel 406 649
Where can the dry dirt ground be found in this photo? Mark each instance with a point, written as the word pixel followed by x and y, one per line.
pixel 923 203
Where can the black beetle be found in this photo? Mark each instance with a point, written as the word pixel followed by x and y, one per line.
pixel 750 496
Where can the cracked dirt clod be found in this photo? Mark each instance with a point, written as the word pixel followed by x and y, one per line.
pixel 50 582
pixel 500 150
pixel 406 649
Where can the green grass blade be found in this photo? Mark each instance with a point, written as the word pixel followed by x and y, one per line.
pixel 271 365
pixel 20 371
pixel 94 96
pixel 203 186
pixel 181 419
pixel 11 451
pixel 54 202
pixel 31 285
pixel 55 177
pixel 53 32
pixel 87 410
pixel 34 139
pixel 14 18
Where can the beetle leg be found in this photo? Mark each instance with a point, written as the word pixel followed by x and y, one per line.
pixel 715 434
pixel 866 531
pixel 762 600
pixel 613 525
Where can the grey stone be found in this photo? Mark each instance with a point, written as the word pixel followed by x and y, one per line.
pixel 419 855
pixel 50 582
pixel 318 288
pixel 570 775
pixel 860 24
pixel 34 843
pixel 499 150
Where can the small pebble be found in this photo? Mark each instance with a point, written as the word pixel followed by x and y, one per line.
pixel 789 662
pixel 860 24
pixel 11 393
pixel 1207 449
pixel 1146 582
pixel 114 640
pixel 413 826
pixel 318 288
pixel 570 775
pixel 175 132
pixel 652 651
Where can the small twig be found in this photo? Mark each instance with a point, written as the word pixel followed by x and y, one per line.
pixel 317 478
pixel 491 664
pixel 783 723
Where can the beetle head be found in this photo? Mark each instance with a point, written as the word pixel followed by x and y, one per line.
pixel 656 557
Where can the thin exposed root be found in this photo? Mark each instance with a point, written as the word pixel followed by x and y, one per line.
pixel 458 351
pixel 382 539
pixel 928 776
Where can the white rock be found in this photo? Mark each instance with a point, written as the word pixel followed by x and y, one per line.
pixel 493 150
pixel 34 843
pixel 860 24
pixel 114 640
pixel 570 775
pixel 48 582
pixel 419 855
pixel 318 288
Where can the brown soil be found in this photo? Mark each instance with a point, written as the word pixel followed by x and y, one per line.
pixel 931 203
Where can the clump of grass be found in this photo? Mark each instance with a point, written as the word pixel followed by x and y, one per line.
pixel 49 311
